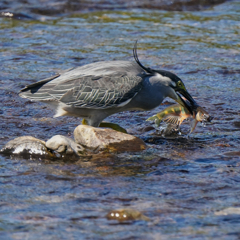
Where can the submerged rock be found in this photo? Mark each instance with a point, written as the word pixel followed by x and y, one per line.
pixel 64 145
pixel 26 145
pixel 123 215
pixel 107 139
pixel 228 211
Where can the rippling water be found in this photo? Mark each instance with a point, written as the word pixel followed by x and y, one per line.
pixel 183 185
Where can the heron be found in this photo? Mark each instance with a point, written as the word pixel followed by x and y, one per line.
pixel 97 90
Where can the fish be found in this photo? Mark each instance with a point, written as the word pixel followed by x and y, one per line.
pixel 176 114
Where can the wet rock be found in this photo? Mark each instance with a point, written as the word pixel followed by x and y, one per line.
pixel 26 145
pixel 107 139
pixel 64 145
pixel 123 215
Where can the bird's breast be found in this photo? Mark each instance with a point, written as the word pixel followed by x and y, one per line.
pixel 146 99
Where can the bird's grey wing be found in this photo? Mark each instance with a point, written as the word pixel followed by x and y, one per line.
pixel 96 85
pixel 86 91
pixel 98 92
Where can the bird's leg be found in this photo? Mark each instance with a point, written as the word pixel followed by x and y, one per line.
pixel 113 126
pixel 84 122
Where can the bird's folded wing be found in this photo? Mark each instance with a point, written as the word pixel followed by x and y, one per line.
pixel 87 91
pixel 104 92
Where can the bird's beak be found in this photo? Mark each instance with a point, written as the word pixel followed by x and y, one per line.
pixel 189 97
pixel 192 103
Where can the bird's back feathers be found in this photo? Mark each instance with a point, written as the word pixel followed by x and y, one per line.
pixel 96 85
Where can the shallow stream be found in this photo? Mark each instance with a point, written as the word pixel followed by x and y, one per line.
pixel 188 187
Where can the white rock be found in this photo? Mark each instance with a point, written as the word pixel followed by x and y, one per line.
pixel 62 144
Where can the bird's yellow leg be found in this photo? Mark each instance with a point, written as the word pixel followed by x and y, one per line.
pixel 113 126
pixel 84 122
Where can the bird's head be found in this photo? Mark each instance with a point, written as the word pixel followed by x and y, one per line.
pixel 175 87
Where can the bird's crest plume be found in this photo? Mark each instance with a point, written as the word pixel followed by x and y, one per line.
pixel 148 70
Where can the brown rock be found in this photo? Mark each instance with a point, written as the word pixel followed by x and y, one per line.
pixel 107 139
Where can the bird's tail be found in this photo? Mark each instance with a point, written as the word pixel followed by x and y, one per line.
pixel 31 91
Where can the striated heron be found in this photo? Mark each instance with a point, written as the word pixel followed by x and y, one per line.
pixel 98 90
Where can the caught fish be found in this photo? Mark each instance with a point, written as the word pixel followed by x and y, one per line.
pixel 176 114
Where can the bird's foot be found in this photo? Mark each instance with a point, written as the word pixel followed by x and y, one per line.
pixel 84 122
pixel 113 126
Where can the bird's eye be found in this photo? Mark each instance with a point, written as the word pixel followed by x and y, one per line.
pixel 180 84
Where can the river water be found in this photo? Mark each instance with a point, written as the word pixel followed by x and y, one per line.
pixel 188 187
